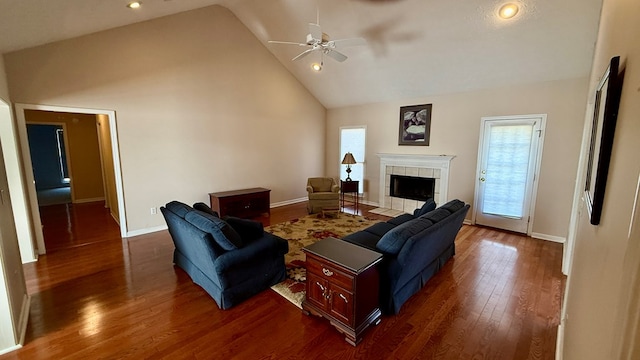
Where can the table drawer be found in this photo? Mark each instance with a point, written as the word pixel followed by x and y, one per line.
pixel 322 269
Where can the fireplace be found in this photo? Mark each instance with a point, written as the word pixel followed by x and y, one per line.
pixel 411 187
pixel 434 167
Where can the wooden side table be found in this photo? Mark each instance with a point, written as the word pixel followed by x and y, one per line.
pixel 245 203
pixel 343 286
pixel 350 187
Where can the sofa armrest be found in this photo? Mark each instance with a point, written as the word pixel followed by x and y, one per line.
pixel 309 189
pixel 267 246
pixel 335 188
pixel 249 230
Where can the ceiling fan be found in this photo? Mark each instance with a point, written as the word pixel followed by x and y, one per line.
pixel 319 41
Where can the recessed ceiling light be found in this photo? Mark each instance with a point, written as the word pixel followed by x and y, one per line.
pixel 507 11
pixel 316 67
pixel 134 5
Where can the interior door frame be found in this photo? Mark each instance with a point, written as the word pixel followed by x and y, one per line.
pixel 538 161
pixel 28 167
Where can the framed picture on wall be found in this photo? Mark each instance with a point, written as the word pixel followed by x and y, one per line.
pixel 603 126
pixel 415 125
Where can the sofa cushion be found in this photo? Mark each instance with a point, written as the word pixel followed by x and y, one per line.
pixel 247 229
pixel 436 215
pixel 364 239
pixel 401 219
pixel 200 206
pixel 453 205
pixel 179 208
pixel 379 229
pixel 425 208
pixel 323 196
pixel 222 233
pixel 394 240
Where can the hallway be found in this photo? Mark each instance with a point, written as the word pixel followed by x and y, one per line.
pixel 69 225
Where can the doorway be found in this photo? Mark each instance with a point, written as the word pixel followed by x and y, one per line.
pixel 509 155
pixel 108 137
pixel 47 144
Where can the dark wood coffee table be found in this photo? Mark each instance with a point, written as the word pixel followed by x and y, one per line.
pixel 342 286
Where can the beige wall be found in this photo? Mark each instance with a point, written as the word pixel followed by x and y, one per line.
pixel 4 88
pixel 111 195
pixel 455 127
pixel 83 153
pixel 602 296
pixel 201 106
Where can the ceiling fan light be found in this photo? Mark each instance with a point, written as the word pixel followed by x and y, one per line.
pixel 316 67
pixel 507 11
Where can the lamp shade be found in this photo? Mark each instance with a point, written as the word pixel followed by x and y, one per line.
pixel 348 159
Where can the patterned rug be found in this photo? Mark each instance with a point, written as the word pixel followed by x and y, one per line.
pixel 305 231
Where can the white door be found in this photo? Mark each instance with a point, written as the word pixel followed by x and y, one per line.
pixel 508 160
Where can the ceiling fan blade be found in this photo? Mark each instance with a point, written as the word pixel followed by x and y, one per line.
pixel 303 54
pixel 286 43
pixel 343 43
pixel 315 31
pixel 340 57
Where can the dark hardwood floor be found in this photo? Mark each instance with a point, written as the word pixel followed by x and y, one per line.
pixel 498 298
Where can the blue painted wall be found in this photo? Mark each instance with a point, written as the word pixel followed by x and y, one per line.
pixel 44 156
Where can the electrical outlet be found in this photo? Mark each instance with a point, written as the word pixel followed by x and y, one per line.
pixel 154 210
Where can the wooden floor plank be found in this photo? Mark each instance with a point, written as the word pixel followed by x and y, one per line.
pixel 96 295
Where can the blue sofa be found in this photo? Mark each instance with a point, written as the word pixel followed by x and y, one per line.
pixel 414 247
pixel 231 259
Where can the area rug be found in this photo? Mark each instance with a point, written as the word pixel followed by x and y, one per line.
pixel 303 232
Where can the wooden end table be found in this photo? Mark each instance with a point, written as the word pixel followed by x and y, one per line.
pixel 342 286
pixel 350 187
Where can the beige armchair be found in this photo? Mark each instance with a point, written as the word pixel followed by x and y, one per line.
pixel 324 193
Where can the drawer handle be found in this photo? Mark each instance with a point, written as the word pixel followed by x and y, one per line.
pixel 327 272
pixel 321 287
pixel 344 298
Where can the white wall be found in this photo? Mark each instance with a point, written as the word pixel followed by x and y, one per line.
pixel 13 290
pixel 602 296
pixel 455 126
pixel 201 106
pixel 15 177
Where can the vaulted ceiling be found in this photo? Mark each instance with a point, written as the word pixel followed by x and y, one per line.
pixel 415 48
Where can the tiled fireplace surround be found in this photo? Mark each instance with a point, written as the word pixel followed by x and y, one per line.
pixel 427 166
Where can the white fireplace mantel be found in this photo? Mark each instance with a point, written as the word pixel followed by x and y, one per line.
pixel 436 166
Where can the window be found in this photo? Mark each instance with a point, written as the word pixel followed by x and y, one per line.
pixel 352 139
pixel 62 155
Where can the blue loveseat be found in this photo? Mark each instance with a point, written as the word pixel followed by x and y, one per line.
pixel 231 259
pixel 414 247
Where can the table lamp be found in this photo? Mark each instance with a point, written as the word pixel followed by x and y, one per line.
pixel 348 160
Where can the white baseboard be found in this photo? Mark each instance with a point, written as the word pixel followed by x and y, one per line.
pixel 80 201
pixel 288 202
pixel 467 222
pixel 10 349
pixel 552 238
pixel 146 231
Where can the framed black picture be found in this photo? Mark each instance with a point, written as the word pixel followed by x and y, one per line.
pixel 415 125
pixel 603 126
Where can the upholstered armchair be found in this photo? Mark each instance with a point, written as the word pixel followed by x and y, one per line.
pixel 324 193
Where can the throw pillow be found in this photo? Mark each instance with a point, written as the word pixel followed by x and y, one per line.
pixel 205 208
pixel 222 233
pixel 179 208
pixel 393 241
pixel 426 207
